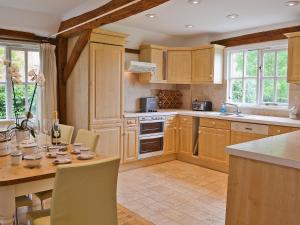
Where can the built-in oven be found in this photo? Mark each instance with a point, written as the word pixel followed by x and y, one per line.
pixel 151 136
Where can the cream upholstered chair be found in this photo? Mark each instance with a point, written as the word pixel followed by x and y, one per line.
pixel 66 138
pixel 88 138
pixel 66 133
pixel 22 201
pixel 83 194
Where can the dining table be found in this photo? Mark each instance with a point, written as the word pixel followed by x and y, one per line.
pixel 20 180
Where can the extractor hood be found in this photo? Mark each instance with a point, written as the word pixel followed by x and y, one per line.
pixel 140 67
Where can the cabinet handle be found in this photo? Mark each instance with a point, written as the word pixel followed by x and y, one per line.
pixel 211 75
pixel 213 123
pixel 248 128
pixel 278 131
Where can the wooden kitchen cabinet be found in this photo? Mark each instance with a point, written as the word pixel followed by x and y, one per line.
pixel 95 90
pixel 157 55
pixel 211 147
pixel 207 65
pixel 179 66
pixel 240 137
pixel 293 57
pixel 276 130
pixel 130 141
pixel 170 136
pixel 185 135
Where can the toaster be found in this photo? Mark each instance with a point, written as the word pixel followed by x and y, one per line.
pixel 149 104
pixel 201 105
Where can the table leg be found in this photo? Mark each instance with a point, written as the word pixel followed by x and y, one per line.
pixel 7 205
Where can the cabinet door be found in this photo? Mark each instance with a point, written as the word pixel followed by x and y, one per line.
pixel 294 60
pixel 110 139
pixel 240 137
pixel 202 66
pixel 276 130
pixel 106 83
pixel 130 150
pixel 179 66
pixel 212 143
pixel 170 138
pixel 185 139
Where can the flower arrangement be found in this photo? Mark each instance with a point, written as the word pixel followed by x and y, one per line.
pixel 15 78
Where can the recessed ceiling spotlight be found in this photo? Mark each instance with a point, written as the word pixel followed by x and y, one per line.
pixel 232 16
pixel 292 3
pixel 151 15
pixel 189 26
pixel 194 2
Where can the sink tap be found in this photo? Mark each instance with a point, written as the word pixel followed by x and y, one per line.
pixel 236 110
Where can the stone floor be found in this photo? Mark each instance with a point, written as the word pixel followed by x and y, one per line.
pixel 172 193
pixel 175 193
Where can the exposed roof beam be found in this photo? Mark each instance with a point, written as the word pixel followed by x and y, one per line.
pixel 81 23
pixel 271 35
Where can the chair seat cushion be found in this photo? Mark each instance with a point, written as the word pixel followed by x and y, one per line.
pixel 33 215
pixel 42 221
pixel 43 195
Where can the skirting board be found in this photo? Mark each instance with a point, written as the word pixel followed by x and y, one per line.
pixel 147 162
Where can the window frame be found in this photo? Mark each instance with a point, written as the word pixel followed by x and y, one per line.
pixel 9 47
pixel 276 46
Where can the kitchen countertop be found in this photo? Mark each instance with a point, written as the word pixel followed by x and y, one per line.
pixel 281 150
pixel 269 120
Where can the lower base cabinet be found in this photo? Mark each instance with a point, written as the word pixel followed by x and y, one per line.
pixel 110 140
pixel 185 135
pixel 170 136
pixel 130 148
pixel 212 144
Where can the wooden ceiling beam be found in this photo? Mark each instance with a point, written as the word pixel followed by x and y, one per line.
pixel 76 51
pixel 271 35
pixel 123 13
pixel 23 36
pixel 92 14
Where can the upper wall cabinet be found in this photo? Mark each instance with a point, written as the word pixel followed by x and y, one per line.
pixel 207 65
pixel 154 54
pixel 294 57
pixel 179 66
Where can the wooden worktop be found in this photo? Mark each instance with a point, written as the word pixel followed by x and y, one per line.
pixel 281 150
pixel 10 175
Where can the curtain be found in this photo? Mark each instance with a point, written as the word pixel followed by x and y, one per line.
pixel 49 91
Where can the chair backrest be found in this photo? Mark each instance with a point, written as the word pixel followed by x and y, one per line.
pixel 86 194
pixel 88 138
pixel 66 133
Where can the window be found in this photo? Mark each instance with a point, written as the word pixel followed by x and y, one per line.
pixel 258 76
pixel 26 58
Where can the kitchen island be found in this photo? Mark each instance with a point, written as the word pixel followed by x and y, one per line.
pixel 264 181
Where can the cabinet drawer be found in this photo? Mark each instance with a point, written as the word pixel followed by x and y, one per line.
pixel 214 123
pixel 185 119
pixel 250 128
pixel 130 122
pixel 276 130
pixel 171 119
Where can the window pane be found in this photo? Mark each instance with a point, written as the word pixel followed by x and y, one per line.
pixel 30 90
pixel 237 91
pixel 18 58
pixel 269 64
pixel 237 65
pixel 282 57
pixel 268 90
pixel 2 67
pixel 20 100
pixel 33 61
pixel 250 90
pixel 251 63
pixel 2 102
pixel 282 91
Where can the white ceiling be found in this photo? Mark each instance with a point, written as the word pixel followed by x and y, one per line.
pixel 210 16
pixel 43 16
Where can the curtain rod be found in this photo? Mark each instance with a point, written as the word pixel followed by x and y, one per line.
pixel 95 18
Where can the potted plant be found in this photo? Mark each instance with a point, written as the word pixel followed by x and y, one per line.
pixel 22 126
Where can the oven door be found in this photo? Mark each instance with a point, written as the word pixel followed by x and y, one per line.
pixel 151 145
pixel 151 127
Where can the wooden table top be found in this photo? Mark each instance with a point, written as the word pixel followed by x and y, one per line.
pixel 10 175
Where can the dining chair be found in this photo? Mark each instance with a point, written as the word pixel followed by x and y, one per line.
pixel 66 138
pixel 22 201
pixel 66 133
pixel 88 138
pixel 83 194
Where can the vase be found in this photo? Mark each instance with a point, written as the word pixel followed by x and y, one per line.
pixel 22 135
pixel 5 143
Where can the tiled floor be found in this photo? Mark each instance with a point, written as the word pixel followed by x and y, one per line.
pixel 175 193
